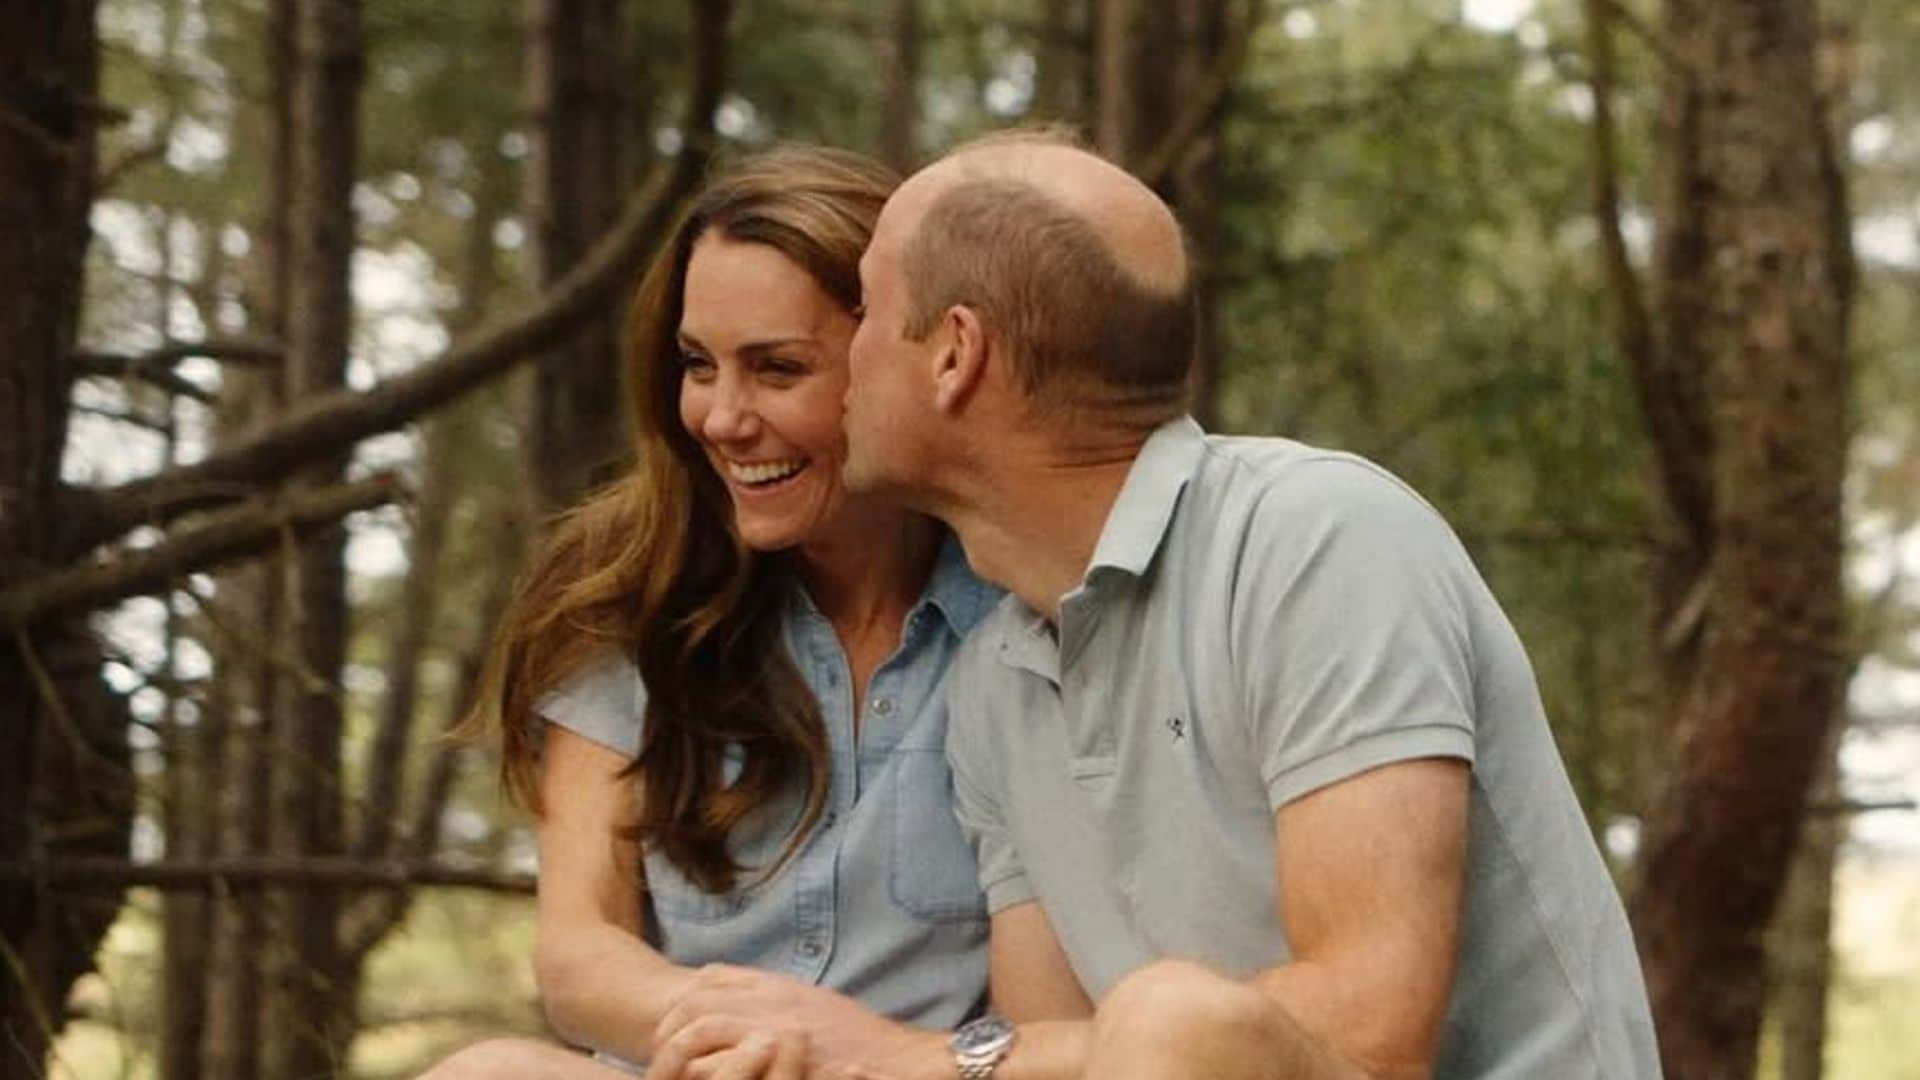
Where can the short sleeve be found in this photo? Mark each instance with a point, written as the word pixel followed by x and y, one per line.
pixel 1352 628
pixel 977 793
pixel 603 701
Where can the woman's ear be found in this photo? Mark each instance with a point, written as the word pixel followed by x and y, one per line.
pixel 961 366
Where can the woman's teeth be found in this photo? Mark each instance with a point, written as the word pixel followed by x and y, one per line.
pixel 764 472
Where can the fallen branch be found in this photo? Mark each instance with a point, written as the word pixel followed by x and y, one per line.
pixel 229 535
pixel 72 872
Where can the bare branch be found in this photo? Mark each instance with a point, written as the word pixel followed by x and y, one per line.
pixel 253 352
pixel 117 170
pixel 163 379
pixel 230 535
pixel 325 424
pixel 72 872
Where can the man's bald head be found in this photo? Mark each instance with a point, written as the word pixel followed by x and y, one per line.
pixel 1077 266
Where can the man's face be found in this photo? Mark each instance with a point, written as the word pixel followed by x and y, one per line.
pixel 889 392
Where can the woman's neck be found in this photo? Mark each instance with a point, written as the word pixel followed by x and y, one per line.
pixel 868 571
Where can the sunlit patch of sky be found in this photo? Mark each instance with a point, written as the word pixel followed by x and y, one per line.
pixel 1499 16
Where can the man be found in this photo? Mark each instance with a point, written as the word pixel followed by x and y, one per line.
pixel 1249 704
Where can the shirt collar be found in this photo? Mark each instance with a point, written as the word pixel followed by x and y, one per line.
pixel 1139 518
pixel 954 591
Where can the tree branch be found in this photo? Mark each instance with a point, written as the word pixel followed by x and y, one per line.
pixel 334 871
pixel 253 352
pixel 230 535
pixel 326 424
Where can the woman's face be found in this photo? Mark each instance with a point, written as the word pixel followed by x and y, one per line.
pixel 765 356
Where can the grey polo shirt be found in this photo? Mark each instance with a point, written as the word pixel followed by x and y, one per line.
pixel 1261 619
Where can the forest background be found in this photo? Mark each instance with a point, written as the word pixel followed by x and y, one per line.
pixel 307 311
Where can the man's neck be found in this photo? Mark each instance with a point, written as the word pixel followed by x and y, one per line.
pixel 1032 521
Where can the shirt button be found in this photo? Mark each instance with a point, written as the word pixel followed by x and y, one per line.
pixel 831 819
pixel 810 947
pixel 883 706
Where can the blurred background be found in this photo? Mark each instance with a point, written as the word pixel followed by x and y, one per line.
pixel 308 323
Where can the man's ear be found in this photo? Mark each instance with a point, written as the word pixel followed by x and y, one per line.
pixel 960 367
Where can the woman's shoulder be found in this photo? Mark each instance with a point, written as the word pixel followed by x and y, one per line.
pixel 603 700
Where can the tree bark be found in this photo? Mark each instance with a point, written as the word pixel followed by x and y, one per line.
pixel 1163 70
pixel 246 682
pixel 1801 952
pixel 64 784
pixel 1064 91
pixel 1743 381
pixel 306 818
pixel 898 46
pixel 573 171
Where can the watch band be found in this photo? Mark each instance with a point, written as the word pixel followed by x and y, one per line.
pixel 980 1045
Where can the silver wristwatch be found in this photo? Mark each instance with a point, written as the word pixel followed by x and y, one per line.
pixel 979 1045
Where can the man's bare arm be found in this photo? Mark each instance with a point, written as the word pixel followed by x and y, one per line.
pixel 1370 881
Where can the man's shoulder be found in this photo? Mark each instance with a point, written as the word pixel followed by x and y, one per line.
pixel 1288 489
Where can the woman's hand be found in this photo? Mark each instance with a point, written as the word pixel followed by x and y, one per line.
pixel 729 1051
pixel 725 1007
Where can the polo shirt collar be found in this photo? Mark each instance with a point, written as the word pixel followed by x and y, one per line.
pixel 1139 518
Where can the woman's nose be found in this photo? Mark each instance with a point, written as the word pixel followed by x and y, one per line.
pixel 732 417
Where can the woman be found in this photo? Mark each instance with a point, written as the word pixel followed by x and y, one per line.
pixel 722 681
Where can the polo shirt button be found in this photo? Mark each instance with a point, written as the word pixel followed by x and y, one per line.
pixel 810 947
pixel 883 706
pixel 832 818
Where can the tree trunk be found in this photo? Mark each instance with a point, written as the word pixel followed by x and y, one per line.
pixel 64 783
pixel 1801 952
pixel 247 683
pixel 899 49
pixel 1744 389
pixel 369 917
pixel 187 783
pixel 573 175
pixel 1064 90
pixel 1154 62
pixel 306 794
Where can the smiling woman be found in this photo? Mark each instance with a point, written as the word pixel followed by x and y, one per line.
pixel 764 354
pixel 720 682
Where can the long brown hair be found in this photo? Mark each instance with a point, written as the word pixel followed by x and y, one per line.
pixel 652 566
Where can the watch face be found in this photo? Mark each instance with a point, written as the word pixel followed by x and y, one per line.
pixel 982 1036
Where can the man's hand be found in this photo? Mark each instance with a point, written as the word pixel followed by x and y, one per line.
pixel 727 1006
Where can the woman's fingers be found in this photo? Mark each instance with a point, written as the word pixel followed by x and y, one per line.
pixel 789 1057
pixel 674 1058
pixel 750 1060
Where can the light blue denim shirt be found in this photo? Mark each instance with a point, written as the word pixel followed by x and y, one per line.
pixel 881 902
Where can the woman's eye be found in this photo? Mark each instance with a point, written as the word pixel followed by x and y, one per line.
pixel 695 365
pixel 784 369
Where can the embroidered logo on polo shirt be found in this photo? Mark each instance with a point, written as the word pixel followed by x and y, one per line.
pixel 1177 725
